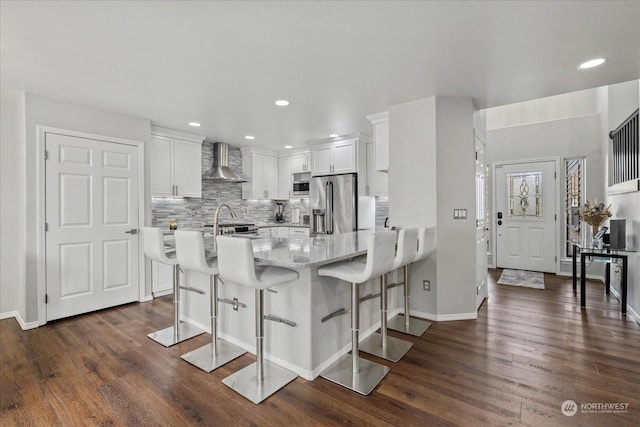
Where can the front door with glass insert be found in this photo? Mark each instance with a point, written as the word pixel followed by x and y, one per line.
pixel 525 216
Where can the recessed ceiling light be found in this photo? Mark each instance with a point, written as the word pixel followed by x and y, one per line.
pixel 592 63
pixel 333 135
pixel 249 137
pixel 282 102
pixel 194 124
pixel 288 146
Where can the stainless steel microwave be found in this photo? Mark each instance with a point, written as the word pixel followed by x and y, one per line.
pixel 301 183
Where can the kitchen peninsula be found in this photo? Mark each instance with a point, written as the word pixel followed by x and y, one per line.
pixel 303 335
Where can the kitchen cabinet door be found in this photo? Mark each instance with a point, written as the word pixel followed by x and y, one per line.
pixel 161 166
pixel 283 232
pixel 187 166
pixel 264 232
pixel 321 160
pixel 377 182
pixel 271 177
pixel 380 124
pixel 161 279
pixel 175 167
pixel 334 158
pixel 344 156
pixel 300 162
pixel 285 182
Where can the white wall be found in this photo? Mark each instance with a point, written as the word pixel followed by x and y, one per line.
pixel 622 100
pixel 41 111
pixel 556 107
pixel 431 172
pixel 12 205
pixel 558 136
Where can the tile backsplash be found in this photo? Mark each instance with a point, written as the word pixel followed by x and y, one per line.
pixel 196 212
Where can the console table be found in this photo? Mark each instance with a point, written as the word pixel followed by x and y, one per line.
pixel 605 254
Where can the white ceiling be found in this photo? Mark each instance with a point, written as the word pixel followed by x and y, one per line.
pixel 223 64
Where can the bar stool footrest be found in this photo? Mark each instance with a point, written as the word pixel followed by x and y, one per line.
pixel 203 359
pixel 363 382
pixel 417 327
pixel 396 348
pixel 166 336
pixel 244 381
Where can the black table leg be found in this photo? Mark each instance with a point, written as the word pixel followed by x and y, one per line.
pixel 575 252
pixel 624 285
pixel 583 297
pixel 607 278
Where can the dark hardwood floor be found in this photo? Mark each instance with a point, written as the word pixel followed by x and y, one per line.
pixel 528 351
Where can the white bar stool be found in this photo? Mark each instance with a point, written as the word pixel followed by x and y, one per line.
pixel 355 373
pixel 191 256
pixel 380 344
pixel 402 323
pixel 261 379
pixel 154 249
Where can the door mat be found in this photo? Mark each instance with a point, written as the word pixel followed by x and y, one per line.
pixel 527 279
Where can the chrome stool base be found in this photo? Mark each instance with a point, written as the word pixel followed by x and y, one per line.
pixel 363 382
pixel 395 349
pixel 167 338
pixel 417 327
pixel 204 358
pixel 245 381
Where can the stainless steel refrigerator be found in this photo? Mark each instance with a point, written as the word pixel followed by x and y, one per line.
pixel 333 204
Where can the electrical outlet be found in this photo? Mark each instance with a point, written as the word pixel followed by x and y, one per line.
pixel 426 285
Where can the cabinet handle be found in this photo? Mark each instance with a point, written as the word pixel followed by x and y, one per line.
pixel 176 189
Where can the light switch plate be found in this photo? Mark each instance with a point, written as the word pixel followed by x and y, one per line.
pixel 459 214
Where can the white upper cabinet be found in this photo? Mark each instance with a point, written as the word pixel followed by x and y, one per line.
pixel 301 162
pixel 261 169
pixel 175 164
pixel 377 182
pixel 331 158
pixel 380 124
pixel 285 181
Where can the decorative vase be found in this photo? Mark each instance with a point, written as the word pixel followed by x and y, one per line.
pixel 595 242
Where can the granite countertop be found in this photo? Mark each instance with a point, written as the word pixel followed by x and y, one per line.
pixel 302 251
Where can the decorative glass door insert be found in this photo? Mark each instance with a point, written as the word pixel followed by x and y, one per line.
pixel 524 193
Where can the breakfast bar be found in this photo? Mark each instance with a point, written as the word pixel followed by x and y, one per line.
pixel 307 322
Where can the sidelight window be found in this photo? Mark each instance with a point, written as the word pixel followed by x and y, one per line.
pixel 574 170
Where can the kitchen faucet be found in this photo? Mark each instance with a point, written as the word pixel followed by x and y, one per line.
pixel 216 216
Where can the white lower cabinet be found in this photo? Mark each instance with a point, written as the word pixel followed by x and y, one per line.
pixel 161 279
pixel 298 232
pixel 264 232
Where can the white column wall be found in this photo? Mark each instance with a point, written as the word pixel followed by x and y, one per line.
pixel 456 189
pixel 412 186
pixel 431 172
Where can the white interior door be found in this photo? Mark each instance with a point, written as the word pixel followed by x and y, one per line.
pixel 91 210
pixel 481 234
pixel 525 195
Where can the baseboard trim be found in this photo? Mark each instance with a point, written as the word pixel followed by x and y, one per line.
pixel 588 276
pixel 157 294
pixel 23 325
pixel 444 317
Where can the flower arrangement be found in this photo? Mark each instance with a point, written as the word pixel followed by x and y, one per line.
pixel 594 214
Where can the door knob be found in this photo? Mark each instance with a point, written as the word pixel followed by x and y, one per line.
pixel 132 231
pixel 499 222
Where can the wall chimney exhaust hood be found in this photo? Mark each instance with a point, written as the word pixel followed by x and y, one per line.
pixel 220 171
